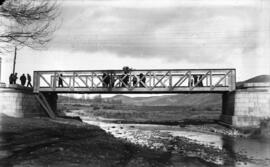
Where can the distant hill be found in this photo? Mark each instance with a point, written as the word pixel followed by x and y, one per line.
pixel 123 98
pixel 199 100
pixel 260 78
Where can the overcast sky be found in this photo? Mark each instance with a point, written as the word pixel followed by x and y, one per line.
pixel 110 34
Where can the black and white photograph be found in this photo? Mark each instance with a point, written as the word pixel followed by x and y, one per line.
pixel 135 83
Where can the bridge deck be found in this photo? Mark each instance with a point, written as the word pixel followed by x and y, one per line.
pixel 136 81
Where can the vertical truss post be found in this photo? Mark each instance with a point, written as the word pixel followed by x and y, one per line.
pixel 54 81
pixel 154 79
pixel 69 82
pixel 211 82
pixel 233 80
pixel 92 80
pixel 170 80
pixel 150 80
pixel 225 81
pixel 36 81
pixel 189 80
pixel 207 80
pixel 73 81
pixel 230 80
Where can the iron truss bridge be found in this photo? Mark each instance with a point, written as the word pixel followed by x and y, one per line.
pixel 136 81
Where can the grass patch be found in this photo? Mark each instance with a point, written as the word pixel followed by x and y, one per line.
pixel 145 113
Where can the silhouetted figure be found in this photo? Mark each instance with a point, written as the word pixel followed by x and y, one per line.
pixel 142 80
pixel 107 80
pixel 11 78
pixel 134 81
pixel 29 81
pixel 112 80
pixel 191 82
pixel 104 77
pixel 60 81
pixel 126 69
pixel 23 79
pixel 125 76
pixel 200 83
pixel 14 78
pixel 195 79
pixel 125 79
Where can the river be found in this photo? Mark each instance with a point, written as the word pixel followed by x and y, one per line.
pixel 217 149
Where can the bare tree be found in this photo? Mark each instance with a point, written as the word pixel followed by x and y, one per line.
pixel 27 23
pixel 2 1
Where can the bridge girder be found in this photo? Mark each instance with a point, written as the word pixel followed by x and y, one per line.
pixel 136 81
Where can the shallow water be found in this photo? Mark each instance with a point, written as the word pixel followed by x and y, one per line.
pixel 256 149
pixel 199 137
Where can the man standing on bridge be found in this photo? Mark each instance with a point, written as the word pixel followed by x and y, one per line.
pixel 60 81
pixel 29 81
pixel 23 79
pixel 14 78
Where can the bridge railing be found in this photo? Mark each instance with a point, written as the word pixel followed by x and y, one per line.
pixel 136 81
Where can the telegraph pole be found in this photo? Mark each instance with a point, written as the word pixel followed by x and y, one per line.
pixel 14 60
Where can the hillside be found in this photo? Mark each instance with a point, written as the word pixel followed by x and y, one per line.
pixel 260 78
pixel 202 100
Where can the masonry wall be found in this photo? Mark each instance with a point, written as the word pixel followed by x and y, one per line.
pixel 246 107
pixel 20 102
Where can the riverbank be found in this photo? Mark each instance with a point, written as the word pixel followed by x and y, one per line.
pixel 141 114
pixel 178 141
pixel 43 142
pixel 195 120
pixel 198 123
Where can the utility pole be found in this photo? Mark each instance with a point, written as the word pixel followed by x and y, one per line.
pixel 14 60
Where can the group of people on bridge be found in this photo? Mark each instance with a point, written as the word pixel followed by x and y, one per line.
pixel 14 76
pixel 127 80
pixel 108 79
pixel 196 80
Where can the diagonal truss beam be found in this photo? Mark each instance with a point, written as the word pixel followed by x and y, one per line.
pixel 85 83
pixel 44 79
pixel 121 78
pixel 221 79
pixel 144 77
pixel 181 80
pixel 160 80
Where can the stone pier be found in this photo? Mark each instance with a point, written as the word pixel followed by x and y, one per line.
pixel 246 107
pixel 18 101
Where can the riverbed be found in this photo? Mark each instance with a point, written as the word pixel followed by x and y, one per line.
pixel 195 141
pixel 217 149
